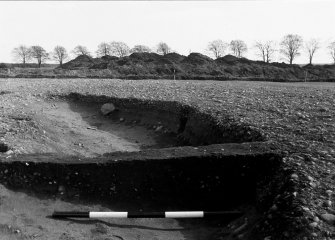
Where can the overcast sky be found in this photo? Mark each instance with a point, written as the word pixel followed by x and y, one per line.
pixel 185 25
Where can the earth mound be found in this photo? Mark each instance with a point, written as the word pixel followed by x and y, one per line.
pixel 197 59
pixel 195 66
pixel 174 57
pixel 82 61
pixel 145 57
pixel 109 58
pixel 3 65
pixel 229 59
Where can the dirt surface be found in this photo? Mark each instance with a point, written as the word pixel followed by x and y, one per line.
pixel 23 216
pixel 56 126
pixel 298 119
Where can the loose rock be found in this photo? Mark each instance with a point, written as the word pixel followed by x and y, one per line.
pixel 328 203
pixel 329 192
pixel 313 224
pixel 310 178
pixel 294 176
pixel 329 218
pixel 107 108
pixel 9 152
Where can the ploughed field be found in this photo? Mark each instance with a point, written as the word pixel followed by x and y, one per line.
pixel 62 116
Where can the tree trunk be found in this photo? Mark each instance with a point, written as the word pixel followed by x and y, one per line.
pixel 310 60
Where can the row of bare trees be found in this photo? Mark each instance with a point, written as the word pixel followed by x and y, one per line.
pixel 219 47
pixel 120 49
pixel 25 54
pixel 290 47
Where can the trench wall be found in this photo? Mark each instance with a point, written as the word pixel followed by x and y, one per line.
pixel 192 126
pixel 197 182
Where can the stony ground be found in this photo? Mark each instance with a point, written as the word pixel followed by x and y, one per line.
pixel 297 118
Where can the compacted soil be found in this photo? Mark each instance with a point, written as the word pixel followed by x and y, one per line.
pixel 24 216
pixel 297 118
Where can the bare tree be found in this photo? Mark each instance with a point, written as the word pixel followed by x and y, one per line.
pixel 119 49
pixel 311 47
pixel 22 54
pixel 59 54
pixel 290 46
pixel 217 48
pixel 163 48
pixel 81 50
pixel 238 47
pixel 265 50
pixel 39 54
pixel 104 49
pixel 140 49
pixel 331 47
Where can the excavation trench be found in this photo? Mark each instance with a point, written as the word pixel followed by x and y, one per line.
pixel 164 156
pixel 141 124
pixel 221 177
pixel 187 178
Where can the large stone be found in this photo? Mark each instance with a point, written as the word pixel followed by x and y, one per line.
pixel 329 218
pixel 107 108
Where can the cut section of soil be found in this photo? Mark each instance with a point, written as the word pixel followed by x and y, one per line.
pixel 211 178
pixel 74 125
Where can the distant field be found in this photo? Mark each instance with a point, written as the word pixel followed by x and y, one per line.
pixel 195 66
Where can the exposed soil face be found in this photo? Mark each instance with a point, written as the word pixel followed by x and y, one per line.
pixel 121 183
pixel 297 118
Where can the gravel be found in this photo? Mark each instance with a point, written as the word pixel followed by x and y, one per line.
pixel 297 118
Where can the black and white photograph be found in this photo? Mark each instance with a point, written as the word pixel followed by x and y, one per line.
pixel 167 120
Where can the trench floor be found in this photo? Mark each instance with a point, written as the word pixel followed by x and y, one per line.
pixel 23 216
pixel 79 129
